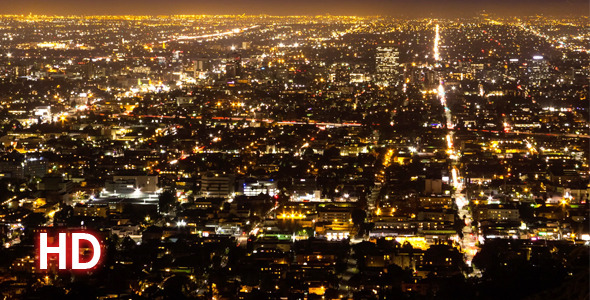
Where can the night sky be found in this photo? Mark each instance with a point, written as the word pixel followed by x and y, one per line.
pixel 397 8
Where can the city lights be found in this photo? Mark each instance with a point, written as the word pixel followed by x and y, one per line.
pixel 250 155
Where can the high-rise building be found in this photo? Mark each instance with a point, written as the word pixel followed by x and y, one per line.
pixel 201 64
pixel 538 70
pixel 387 60
pixel 90 70
pixel 387 64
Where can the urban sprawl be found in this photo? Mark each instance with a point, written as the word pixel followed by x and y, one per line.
pixel 312 157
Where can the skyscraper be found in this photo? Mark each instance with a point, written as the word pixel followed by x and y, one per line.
pixel 386 60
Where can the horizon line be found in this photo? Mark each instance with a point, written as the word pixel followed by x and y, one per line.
pixel 475 15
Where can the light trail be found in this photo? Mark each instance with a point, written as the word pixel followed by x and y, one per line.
pixel 269 121
pixel 209 36
pixel 443 101
pixel 468 242
pixel 436 41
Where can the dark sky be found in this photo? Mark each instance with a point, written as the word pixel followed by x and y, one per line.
pixel 399 8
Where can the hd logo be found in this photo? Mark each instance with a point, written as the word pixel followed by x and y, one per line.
pixel 70 249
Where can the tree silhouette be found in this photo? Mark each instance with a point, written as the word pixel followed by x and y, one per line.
pixel 166 201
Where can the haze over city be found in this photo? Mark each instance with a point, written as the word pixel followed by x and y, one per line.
pixel 397 8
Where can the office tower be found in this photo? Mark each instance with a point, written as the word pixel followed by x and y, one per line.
pixel 386 60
